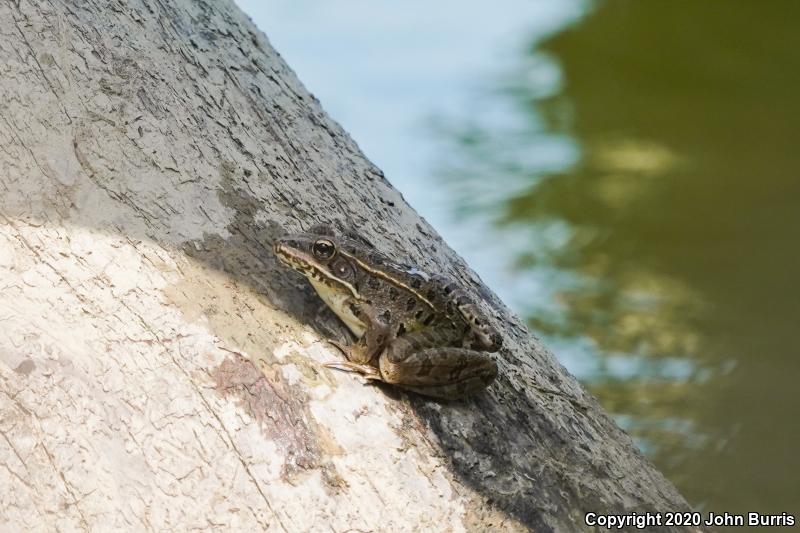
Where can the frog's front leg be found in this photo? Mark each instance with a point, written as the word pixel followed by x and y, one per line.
pixel 368 346
pixel 418 362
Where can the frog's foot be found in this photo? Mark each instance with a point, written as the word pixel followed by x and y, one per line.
pixel 368 372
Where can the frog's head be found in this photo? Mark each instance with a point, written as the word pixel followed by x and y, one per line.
pixel 322 257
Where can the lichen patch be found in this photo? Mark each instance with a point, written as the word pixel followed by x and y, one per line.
pixel 275 405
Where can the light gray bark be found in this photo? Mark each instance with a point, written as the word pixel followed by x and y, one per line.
pixel 159 369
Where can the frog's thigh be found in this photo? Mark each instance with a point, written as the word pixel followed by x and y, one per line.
pixel 446 372
pixel 437 366
pixel 451 391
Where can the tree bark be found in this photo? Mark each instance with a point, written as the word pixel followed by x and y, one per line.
pixel 159 369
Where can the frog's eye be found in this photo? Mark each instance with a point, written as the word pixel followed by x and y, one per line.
pixel 342 269
pixel 324 249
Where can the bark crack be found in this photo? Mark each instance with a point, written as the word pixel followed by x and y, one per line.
pixel 16 452
pixel 41 70
pixel 53 465
pixel 230 442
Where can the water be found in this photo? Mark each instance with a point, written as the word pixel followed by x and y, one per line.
pixel 625 176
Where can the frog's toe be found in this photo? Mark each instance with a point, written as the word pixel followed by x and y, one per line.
pixel 367 371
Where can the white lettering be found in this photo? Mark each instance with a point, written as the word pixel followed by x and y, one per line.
pixel 635 520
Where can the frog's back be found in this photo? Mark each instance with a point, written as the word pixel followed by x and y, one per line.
pixel 406 295
pixel 415 299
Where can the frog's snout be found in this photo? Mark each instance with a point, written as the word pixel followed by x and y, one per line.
pixel 284 244
pixel 282 247
pixel 291 249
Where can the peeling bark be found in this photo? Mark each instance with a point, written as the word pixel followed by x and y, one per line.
pixel 158 368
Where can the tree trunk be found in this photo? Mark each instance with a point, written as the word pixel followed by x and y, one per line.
pixel 160 370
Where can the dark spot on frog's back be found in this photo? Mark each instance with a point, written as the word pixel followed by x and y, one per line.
pixel 393 293
pixel 431 294
pixel 416 282
pixel 387 315
pixel 374 283
pixel 497 340
pixel 411 304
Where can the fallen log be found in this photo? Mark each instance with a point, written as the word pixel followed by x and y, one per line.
pixel 160 370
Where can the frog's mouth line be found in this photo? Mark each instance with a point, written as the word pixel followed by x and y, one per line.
pixel 311 269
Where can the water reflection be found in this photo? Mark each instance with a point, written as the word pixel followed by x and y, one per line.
pixel 668 249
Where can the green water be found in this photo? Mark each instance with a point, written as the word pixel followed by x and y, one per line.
pixel 669 249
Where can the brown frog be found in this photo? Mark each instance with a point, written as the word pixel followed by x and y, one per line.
pixel 417 331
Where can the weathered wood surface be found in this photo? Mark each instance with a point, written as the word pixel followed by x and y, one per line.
pixel 158 368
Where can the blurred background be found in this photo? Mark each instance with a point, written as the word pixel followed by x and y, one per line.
pixel 625 176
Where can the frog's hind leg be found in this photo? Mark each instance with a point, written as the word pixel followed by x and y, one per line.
pixel 451 391
pixel 436 366
pixel 485 336
pixel 441 371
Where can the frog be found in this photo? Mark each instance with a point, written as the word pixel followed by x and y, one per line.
pixel 417 331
